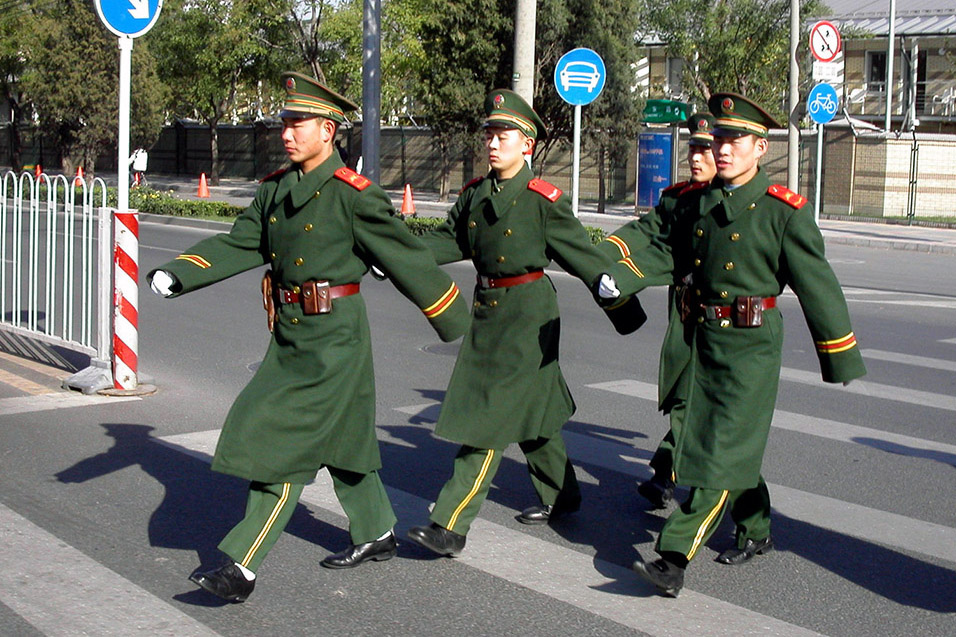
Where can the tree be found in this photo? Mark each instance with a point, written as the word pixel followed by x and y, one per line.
pixel 13 41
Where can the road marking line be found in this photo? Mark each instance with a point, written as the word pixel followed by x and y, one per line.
pixel 62 592
pixel 909 359
pixel 598 587
pixel 23 384
pixel 47 370
pixel 949 341
pixel 56 400
pixel 873 390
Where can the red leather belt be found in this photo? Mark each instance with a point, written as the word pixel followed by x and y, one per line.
pixel 714 312
pixel 336 291
pixel 509 281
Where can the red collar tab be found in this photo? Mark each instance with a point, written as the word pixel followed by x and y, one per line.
pixel 281 171
pixel 694 185
pixel 789 197
pixel 676 186
pixel 471 183
pixel 546 190
pixel 352 178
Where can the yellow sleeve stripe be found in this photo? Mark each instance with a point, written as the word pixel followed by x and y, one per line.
pixel 621 245
pixel 195 259
pixel 630 264
pixel 443 303
pixel 836 345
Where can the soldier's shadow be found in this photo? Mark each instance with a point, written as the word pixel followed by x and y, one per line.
pixel 199 506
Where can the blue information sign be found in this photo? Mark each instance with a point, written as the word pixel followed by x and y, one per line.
pixel 131 18
pixel 579 76
pixel 822 103
pixel 653 167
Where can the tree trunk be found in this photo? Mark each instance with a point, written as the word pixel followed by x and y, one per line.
pixel 602 170
pixel 214 153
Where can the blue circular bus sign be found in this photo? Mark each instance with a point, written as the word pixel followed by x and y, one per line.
pixel 130 18
pixel 579 76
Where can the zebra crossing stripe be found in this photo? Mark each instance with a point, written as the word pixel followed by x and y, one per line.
pixel 58 400
pixel 65 593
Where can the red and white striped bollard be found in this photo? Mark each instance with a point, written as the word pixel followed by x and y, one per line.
pixel 126 300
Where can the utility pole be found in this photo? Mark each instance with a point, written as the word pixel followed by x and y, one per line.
pixel 890 48
pixel 371 87
pixel 793 131
pixel 522 79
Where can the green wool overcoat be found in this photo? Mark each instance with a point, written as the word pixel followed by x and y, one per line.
pixel 311 403
pixel 507 385
pixel 749 241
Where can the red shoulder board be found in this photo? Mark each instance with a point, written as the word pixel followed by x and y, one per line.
pixel 787 196
pixel 275 174
pixel 676 186
pixel 352 178
pixel 543 188
pixel 692 186
pixel 470 184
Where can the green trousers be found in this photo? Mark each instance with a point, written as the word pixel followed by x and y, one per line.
pixel 269 508
pixel 662 462
pixel 462 496
pixel 689 527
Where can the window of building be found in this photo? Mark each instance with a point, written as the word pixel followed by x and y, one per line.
pixel 876 70
pixel 675 76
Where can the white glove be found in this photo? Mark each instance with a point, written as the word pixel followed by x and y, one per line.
pixel 607 288
pixel 162 283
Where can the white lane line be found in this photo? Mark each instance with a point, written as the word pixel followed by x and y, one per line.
pixel 859 521
pixel 62 592
pixel 596 586
pixel 950 341
pixel 909 359
pixel 59 400
pixel 874 390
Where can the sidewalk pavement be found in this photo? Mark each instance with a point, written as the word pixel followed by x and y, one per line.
pixel 865 232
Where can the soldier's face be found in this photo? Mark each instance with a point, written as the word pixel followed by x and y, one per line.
pixel 308 141
pixel 700 160
pixel 506 149
pixel 737 157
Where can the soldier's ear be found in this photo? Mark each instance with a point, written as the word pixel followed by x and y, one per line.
pixel 762 146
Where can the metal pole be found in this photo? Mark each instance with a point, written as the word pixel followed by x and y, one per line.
pixel 675 157
pixel 793 103
pixel 819 179
pixel 576 161
pixel 371 87
pixel 122 154
pixel 522 78
pixel 889 65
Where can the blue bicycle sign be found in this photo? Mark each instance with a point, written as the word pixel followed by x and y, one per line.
pixel 822 103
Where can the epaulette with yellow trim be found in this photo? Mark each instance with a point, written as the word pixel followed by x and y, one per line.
pixel 694 185
pixel 352 178
pixel 787 196
pixel 281 171
pixel 476 180
pixel 543 188
pixel 675 187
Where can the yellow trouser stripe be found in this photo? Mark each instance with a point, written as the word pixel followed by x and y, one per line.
pixel 702 529
pixel 268 525
pixel 474 489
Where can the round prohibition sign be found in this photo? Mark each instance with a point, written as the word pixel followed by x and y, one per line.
pixel 825 41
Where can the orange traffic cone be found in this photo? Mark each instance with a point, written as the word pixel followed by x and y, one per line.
pixel 136 179
pixel 203 187
pixel 79 175
pixel 408 204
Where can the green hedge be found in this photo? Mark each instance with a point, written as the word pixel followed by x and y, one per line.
pixel 156 202
pixel 420 225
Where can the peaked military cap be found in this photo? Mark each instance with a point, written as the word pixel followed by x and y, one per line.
pixel 305 97
pixel 735 115
pixel 701 126
pixel 509 110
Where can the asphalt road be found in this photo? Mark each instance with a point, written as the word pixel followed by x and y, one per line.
pixel 107 504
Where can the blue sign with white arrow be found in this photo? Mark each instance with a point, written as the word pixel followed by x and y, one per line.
pixel 130 18
pixel 822 103
pixel 579 76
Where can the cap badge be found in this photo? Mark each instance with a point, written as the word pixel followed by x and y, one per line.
pixel 290 84
pixel 499 100
pixel 727 104
pixel 702 125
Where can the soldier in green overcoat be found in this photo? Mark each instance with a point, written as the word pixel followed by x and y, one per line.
pixel 311 403
pixel 635 235
pixel 734 245
pixel 507 386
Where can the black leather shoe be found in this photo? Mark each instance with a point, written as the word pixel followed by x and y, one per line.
pixel 751 548
pixel 544 513
pixel 667 577
pixel 379 550
pixel 659 492
pixel 226 582
pixel 438 539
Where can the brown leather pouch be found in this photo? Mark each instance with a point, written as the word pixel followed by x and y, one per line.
pixel 316 298
pixel 268 300
pixel 684 308
pixel 748 311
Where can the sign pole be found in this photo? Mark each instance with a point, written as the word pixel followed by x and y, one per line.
pixel 122 158
pixel 576 160
pixel 819 178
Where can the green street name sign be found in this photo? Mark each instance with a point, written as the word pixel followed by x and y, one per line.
pixel 665 111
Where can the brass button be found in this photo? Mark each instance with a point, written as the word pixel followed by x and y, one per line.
pixel 273 256
pixel 492 303
pixel 730 194
pixel 472 224
pixel 299 261
pixel 308 227
pixel 751 206
pixel 317 193
pixel 477 304
pixel 296 289
pixel 729 265
pixel 735 236
pixel 294 321
pixel 508 232
pixel 725 322
pixel 697 291
pixel 723 294
pixel 700 319
pixel 696 261
pixel 700 232
pixel 501 259
pixel 272 219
